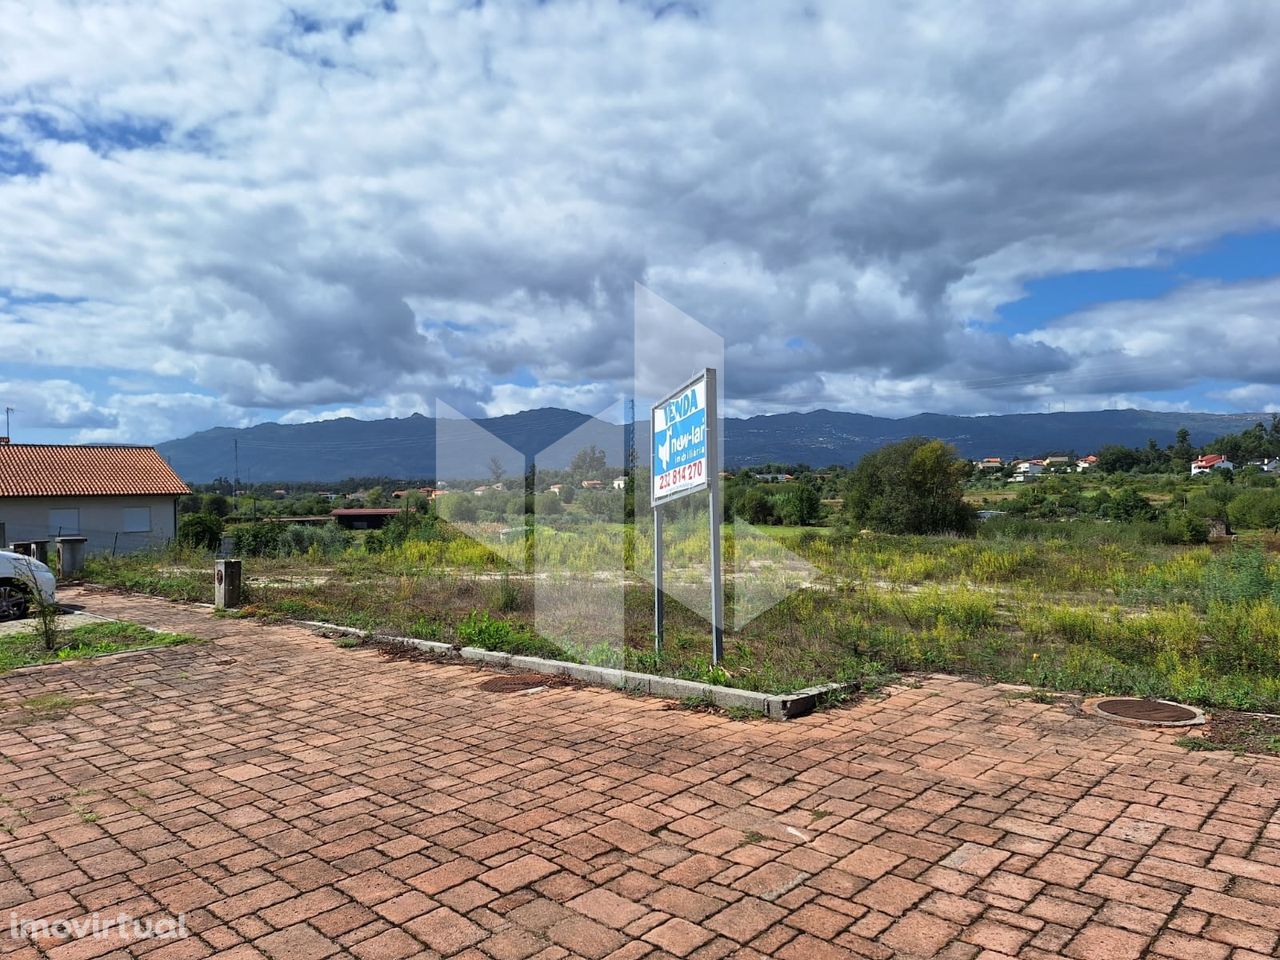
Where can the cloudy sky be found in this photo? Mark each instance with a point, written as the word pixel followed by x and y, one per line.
pixel 243 210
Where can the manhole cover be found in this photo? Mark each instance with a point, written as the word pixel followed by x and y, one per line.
pixel 515 682
pixel 1157 713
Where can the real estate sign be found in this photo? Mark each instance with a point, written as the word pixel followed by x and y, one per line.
pixel 685 458
pixel 681 455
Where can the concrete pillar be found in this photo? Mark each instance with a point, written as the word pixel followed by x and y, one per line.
pixel 226 584
pixel 37 549
pixel 71 555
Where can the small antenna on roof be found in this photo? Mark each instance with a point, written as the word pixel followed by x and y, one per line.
pixel 7 411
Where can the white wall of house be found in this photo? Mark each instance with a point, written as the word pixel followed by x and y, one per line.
pixel 127 524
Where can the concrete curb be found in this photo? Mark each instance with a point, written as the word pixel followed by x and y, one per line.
pixel 785 706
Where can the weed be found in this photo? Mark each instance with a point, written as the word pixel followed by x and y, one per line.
pixel 1199 744
pixel 47 704
pixel 701 701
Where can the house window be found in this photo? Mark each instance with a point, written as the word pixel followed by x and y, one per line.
pixel 64 522
pixel 136 520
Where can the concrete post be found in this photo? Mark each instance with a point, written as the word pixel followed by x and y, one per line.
pixel 71 555
pixel 36 549
pixel 226 584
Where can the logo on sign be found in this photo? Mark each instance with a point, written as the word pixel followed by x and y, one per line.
pixel 680 442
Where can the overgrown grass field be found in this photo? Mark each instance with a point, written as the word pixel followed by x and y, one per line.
pixel 1083 606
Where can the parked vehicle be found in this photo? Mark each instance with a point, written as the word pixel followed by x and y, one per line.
pixel 20 577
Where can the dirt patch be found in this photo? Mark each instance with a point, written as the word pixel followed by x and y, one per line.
pixel 1238 732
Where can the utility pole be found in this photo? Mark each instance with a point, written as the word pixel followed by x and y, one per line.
pixel 235 482
pixel 7 434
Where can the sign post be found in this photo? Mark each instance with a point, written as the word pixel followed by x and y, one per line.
pixel 684 458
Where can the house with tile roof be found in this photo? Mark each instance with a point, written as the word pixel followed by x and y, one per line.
pixel 117 498
pixel 1209 463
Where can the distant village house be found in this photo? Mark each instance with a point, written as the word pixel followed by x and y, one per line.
pixel 1214 461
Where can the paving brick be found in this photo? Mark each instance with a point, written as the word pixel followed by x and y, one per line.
pixel 586 937
pixel 678 937
pixel 1097 941
pixel 746 919
pixel 892 895
pixel 518 873
pixel 298 942
pixel 921 934
pixel 446 931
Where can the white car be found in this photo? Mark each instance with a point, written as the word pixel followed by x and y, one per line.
pixel 19 577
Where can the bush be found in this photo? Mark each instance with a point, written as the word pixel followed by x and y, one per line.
pixel 1183 526
pixel 1257 509
pixel 200 530
pixel 457 507
pixel 488 633
pixel 258 539
pixel 327 540
pixel 1241 576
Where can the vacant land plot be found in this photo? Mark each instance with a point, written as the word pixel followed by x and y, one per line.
pixel 1071 610
pixel 296 800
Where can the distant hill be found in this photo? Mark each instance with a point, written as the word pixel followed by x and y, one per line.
pixel 330 450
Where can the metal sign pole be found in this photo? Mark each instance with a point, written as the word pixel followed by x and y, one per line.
pixel 657 579
pixel 713 488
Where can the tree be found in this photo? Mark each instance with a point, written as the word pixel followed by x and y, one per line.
pixel 376 497
pixel 755 506
pixel 1129 506
pixel 1114 458
pixel 457 507
pixel 200 530
pixel 914 486
pixel 588 463
pixel 218 504
pixel 496 470
pixel 799 505
pixel 1182 451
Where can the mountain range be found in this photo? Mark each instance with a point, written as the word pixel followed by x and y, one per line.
pixel 331 450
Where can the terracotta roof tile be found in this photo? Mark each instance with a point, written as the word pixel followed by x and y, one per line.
pixel 48 470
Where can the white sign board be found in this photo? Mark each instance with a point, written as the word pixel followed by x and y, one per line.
pixel 681 454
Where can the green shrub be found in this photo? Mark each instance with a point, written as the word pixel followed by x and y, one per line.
pixel 258 539
pixel 489 633
pixel 1255 509
pixel 1238 576
pixel 200 530
pixel 1183 526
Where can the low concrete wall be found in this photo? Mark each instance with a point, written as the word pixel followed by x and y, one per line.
pixel 783 706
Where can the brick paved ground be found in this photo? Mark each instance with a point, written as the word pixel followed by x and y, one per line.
pixel 299 801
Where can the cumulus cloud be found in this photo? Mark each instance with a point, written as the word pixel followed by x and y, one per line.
pixel 367 205
pixel 58 404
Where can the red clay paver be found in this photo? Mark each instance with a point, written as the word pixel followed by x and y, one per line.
pixel 293 800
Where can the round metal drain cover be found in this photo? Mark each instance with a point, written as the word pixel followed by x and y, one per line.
pixel 1153 711
pixel 1147 713
pixel 516 682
